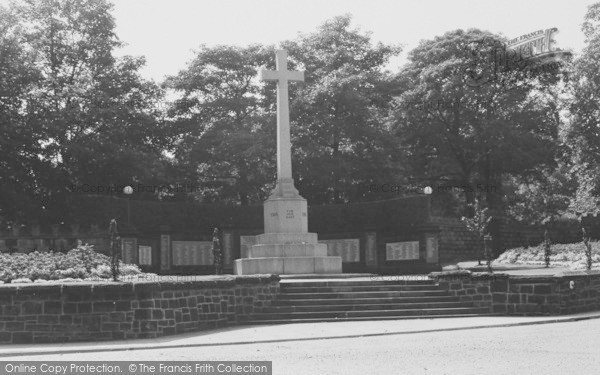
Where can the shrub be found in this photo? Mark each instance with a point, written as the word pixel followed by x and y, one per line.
pixel 572 255
pixel 80 263
pixel 102 271
pixel 129 270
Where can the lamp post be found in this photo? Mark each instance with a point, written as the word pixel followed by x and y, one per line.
pixel 128 190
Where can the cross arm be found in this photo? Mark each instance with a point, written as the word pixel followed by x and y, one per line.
pixel 268 75
pixel 295 75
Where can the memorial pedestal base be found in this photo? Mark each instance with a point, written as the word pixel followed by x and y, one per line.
pixel 286 254
pixel 287 247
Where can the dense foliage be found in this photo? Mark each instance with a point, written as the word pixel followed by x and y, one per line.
pixel 570 255
pixel 583 128
pixel 80 263
pixel 74 115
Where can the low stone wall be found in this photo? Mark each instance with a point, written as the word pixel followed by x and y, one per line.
pixel 526 295
pixel 42 313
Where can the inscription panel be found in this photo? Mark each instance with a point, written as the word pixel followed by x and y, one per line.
pixel 227 248
pixel 347 248
pixel 192 253
pixel 431 245
pixel 371 249
pixel 128 253
pixel 145 255
pixel 402 250
pixel 165 251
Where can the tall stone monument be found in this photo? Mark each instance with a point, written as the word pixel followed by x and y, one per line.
pixel 286 247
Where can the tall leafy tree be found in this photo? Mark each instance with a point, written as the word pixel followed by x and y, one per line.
pixel 225 143
pixel 469 124
pixel 583 132
pixel 20 139
pixel 340 142
pixel 95 114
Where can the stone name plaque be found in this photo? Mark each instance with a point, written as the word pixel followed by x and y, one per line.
pixel 371 249
pixel 145 255
pixel 227 248
pixel 165 252
pixel 402 250
pixel 431 245
pixel 128 253
pixel 192 253
pixel 347 248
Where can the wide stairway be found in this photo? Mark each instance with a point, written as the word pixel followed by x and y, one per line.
pixel 327 301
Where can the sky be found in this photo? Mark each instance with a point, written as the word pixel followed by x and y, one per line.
pixel 167 32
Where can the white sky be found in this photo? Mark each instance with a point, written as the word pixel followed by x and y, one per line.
pixel 167 31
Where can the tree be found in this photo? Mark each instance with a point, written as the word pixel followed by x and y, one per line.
pixel 340 141
pixel 20 139
pixel 547 248
pixel 583 133
pixel 588 248
pixel 92 113
pixel 225 142
pixel 115 247
pixel 542 200
pixel 217 252
pixel 467 123
pixel 478 225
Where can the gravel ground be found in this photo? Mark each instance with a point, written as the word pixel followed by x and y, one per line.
pixel 564 348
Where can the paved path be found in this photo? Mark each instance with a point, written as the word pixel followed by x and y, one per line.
pixel 241 335
pixel 566 348
pixel 516 269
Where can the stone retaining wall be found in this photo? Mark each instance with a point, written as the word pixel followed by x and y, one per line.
pixel 37 313
pixel 526 295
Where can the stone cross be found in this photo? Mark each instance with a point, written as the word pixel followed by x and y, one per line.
pixel 286 247
pixel 284 149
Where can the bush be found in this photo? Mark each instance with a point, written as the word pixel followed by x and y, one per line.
pixel 102 271
pixel 129 270
pixel 22 280
pixel 80 263
pixel 572 255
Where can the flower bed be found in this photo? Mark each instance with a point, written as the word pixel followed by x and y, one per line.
pixel 568 255
pixel 82 263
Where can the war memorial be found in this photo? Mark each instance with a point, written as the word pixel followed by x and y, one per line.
pixel 325 203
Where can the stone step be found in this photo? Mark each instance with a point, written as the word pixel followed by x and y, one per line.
pixel 370 294
pixel 311 277
pixel 287 250
pixel 356 307
pixel 362 301
pixel 284 238
pixel 304 284
pixel 367 313
pixel 287 265
pixel 352 288
pixel 250 321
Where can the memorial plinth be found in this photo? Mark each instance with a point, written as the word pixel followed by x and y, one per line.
pixel 286 247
